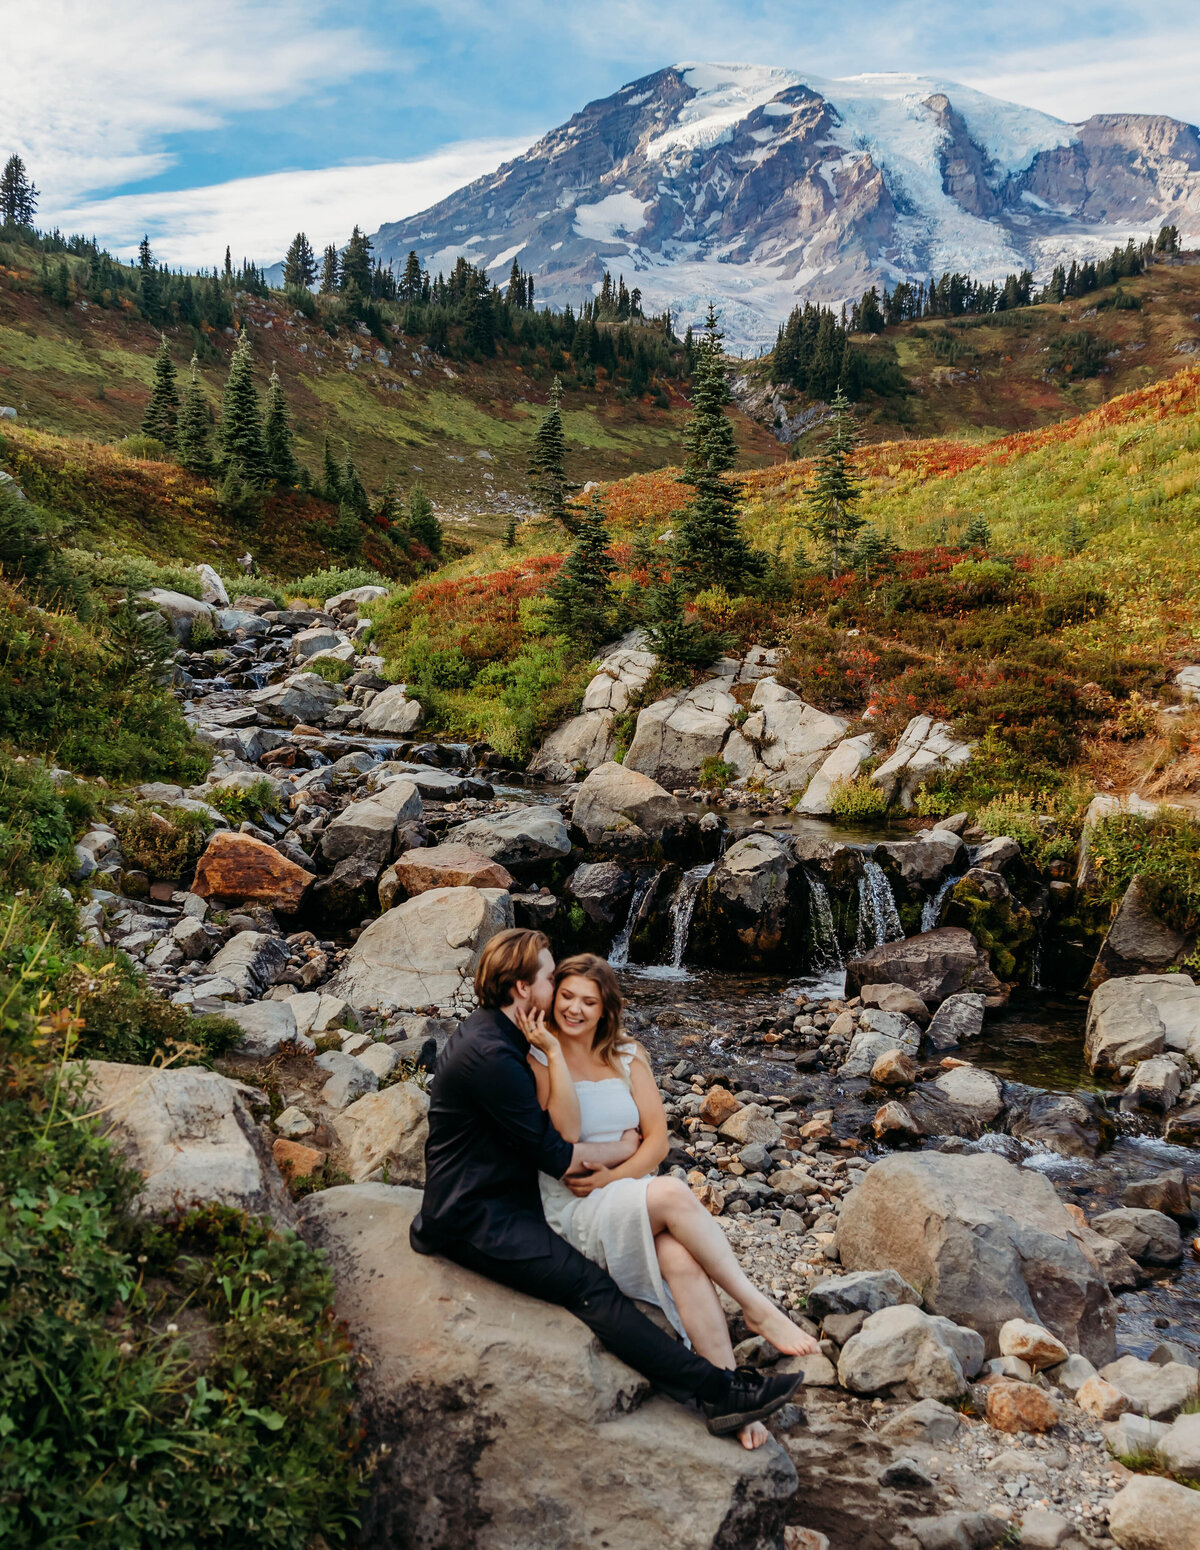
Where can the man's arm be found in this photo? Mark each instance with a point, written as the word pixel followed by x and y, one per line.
pixel 502 1085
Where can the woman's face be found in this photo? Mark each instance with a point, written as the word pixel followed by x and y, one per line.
pixel 577 1008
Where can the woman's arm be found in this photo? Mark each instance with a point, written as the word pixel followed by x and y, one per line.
pixel 653 1121
pixel 556 1092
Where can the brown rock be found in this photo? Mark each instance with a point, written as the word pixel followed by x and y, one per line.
pixel 161 892
pixel 238 868
pixel 1031 1343
pixel 1020 1407
pixel 816 1130
pixel 449 866
pixel 894 1119
pixel 894 1069
pixel 711 1198
pixel 1101 1399
pixel 295 1161
pixel 718 1106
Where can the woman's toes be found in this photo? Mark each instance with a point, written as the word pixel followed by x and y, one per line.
pixel 753 1436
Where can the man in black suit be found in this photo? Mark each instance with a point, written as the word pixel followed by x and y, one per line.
pixel 488 1140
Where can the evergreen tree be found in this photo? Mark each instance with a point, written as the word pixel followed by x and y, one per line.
pixel 978 535
pixel 162 412
pixel 410 285
pixel 677 641
pixel 149 282
pixel 195 423
pixel 300 265
pixel 18 197
pixel 354 492
pixel 329 270
pixel 389 514
pixel 241 422
pixel 510 533
pixel 710 547
pixel 355 277
pixel 581 594
pixel 61 290
pixel 422 523
pixel 873 551
pixel 277 435
pixel 1075 539
pixel 832 518
pixel 547 464
pixel 331 475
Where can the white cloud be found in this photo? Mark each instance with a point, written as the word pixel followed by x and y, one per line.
pixel 1155 73
pixel 90 92
pixel 259 216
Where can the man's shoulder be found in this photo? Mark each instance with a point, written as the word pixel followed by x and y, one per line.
pixel 483 1032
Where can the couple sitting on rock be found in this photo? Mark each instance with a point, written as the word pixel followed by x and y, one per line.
pixel 545 1133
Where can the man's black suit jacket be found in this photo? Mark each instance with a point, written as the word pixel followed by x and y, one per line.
pixel 488 1140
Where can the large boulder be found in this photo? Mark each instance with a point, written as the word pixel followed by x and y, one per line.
pixel 1150 1237
pixel 301 697
pixel 500 1421
pixel 933 1357
pixel 743 917
pixel 676 735
pixel 423 953
pixel 619 677
pixel 926 747
pixel 841 765
pixel 448 866
pixel 783 741
pixel 267 1027
pixel 179 610
pixel 238 869
pixel 916 867
pixel 518 836
pixel 355 595
pixel 307 643
pixel 1149 1513
pixel 983 1242
pixel 601 889
pixel 386 1130
pixel 583 743
pixel 1138 941
pixel 251 961
pixel 935 964
pixel 191 1136
pixel 392 712
pixel 615 797
pixel 367 830
pixel 1134 1019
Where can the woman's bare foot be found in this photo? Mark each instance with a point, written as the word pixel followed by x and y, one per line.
pixel 753 1436
pixel 775 1326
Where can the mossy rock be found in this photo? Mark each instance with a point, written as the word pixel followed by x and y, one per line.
pixel 1002 926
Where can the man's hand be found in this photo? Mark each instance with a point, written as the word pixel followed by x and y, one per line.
pixel 582 1184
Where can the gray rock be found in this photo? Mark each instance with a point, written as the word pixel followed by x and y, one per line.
pixel 386 1130
pixel 675 735
pixel 862 1291
pixel 1131 1434
pixel 518 836
pixel 179 610
pixel 785 742
pixel 743 915
pixel 1071 1375
pixel 897 998
pixel 348 1078
pixel 928 1421
pixel 602 889
pixel 302 697
pixel 957 1020
pixel 1150 1237
pixel 391 712
pixel 905 1475
pixel 615 797
pixel 1167 1192
pixel 1149 1513
pixel 251 960
pixel 959 1531
pixel 1159 1392
pixel 925 748
pixel 585 742
pixel 973 1089
pixel 905 1345
pixel 1042 1530
pixel 935 964
pixel 1155 1085
pixel 364 831
pixel 843 764
pixel 1138 941
pixel 1180 1448
pixel 266 1027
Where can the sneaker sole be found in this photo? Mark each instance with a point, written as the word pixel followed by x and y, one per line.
pixel 723 1425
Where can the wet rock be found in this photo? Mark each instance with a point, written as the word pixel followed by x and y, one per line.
pixel 972 1089
pixel 534 1394
pixel 985 1241
pixel 391 713
pixel 179 610
pixel 675 735
pixel 894 1069
pixel 602 890
pixel 784 741
pixel 1167 1193
pixel 936 964
pixel 958 1020
pixel 1149 1513
pixel 862 1291
pixel 1183 1127
pixel 616 797
pixel 1020 1407
pixel 932 1356
pixel 423 953
pixel 896 998
pixel 1138 941
pixel 1159 1392
pixel 517 837
pixel 448 866
pixel 237 869
pixel 301 697
pixel 925 747
pixel 1069 1124
pixel 386 1130
pixel 916 867
pixel 743 916
pixel 191 1136
pixel 252 961
pixel 1155 1085
pixel 1147 1236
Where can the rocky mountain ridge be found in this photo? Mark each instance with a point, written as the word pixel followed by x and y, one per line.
pixel 758 185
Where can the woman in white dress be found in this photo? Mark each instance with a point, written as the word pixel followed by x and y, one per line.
pixel 650 1233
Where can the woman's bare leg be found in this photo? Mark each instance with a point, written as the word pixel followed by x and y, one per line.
pixel 675 1210
pixel 700 1314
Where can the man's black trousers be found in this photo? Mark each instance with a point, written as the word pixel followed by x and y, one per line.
pixel 560 1274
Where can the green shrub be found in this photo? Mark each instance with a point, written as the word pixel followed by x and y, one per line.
pixel 1163 849
pixel 131 572
pixel 203 633
pixel 38 822
pixel 324 584
pixel 932 804
pixel 715 774
pixel 148 448
pixel 161 1387
pixel 1045 824
pixel 240 804
pixel 330 669
pixel 123 1020
pixel 857 800
pixel 163 845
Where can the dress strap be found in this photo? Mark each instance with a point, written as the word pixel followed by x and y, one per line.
pixel 540 1056
pixel 626 1053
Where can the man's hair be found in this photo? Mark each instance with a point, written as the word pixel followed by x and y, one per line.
pixel 509 956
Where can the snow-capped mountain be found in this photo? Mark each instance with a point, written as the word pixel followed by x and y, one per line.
pixel 757 186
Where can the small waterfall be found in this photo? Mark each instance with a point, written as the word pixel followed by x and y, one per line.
pixel 1035 961
pixel 643 892
pixel 827 953
pixel 931 910
pixel 878 917
pixel 683 906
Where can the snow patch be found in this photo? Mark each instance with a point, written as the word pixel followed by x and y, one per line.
pixel 505 258
pixel 611 219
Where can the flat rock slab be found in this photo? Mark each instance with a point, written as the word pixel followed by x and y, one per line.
pixel 449 866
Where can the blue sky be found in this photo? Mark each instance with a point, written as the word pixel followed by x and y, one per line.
pixel 240 121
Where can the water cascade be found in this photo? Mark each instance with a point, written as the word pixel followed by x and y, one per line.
pixel 878 917
pixel 931 910
pixel 644 890
pixel 683 906
pixel 827 953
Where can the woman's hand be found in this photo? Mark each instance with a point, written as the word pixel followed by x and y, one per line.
pixel 533 1026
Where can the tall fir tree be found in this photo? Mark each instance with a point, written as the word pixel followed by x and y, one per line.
pixel 978 534
pixel 410 285
pixel 831 501
pixel 354 492
pixel 547 464
pixel 422 522
pixel 354 279
pixel 710 547
pixel 581 594
pixel 149 282
pixel 18 197
pixel 162 412
pixel 330 270
pixel 331 474
pixel 242 441
pixel 194 428
pixel 300 264
pixel 277 435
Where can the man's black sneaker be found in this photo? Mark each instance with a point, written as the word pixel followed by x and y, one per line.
pixel 753 1395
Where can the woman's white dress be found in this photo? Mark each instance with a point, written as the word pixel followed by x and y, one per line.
pixel 612 1224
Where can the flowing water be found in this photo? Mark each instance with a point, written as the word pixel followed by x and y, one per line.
pixel 878 917
pixel 644 890
pixel 683 906
pixel 931 910
pixel 827 951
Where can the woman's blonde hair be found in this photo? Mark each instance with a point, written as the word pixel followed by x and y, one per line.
pixel 610 1030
